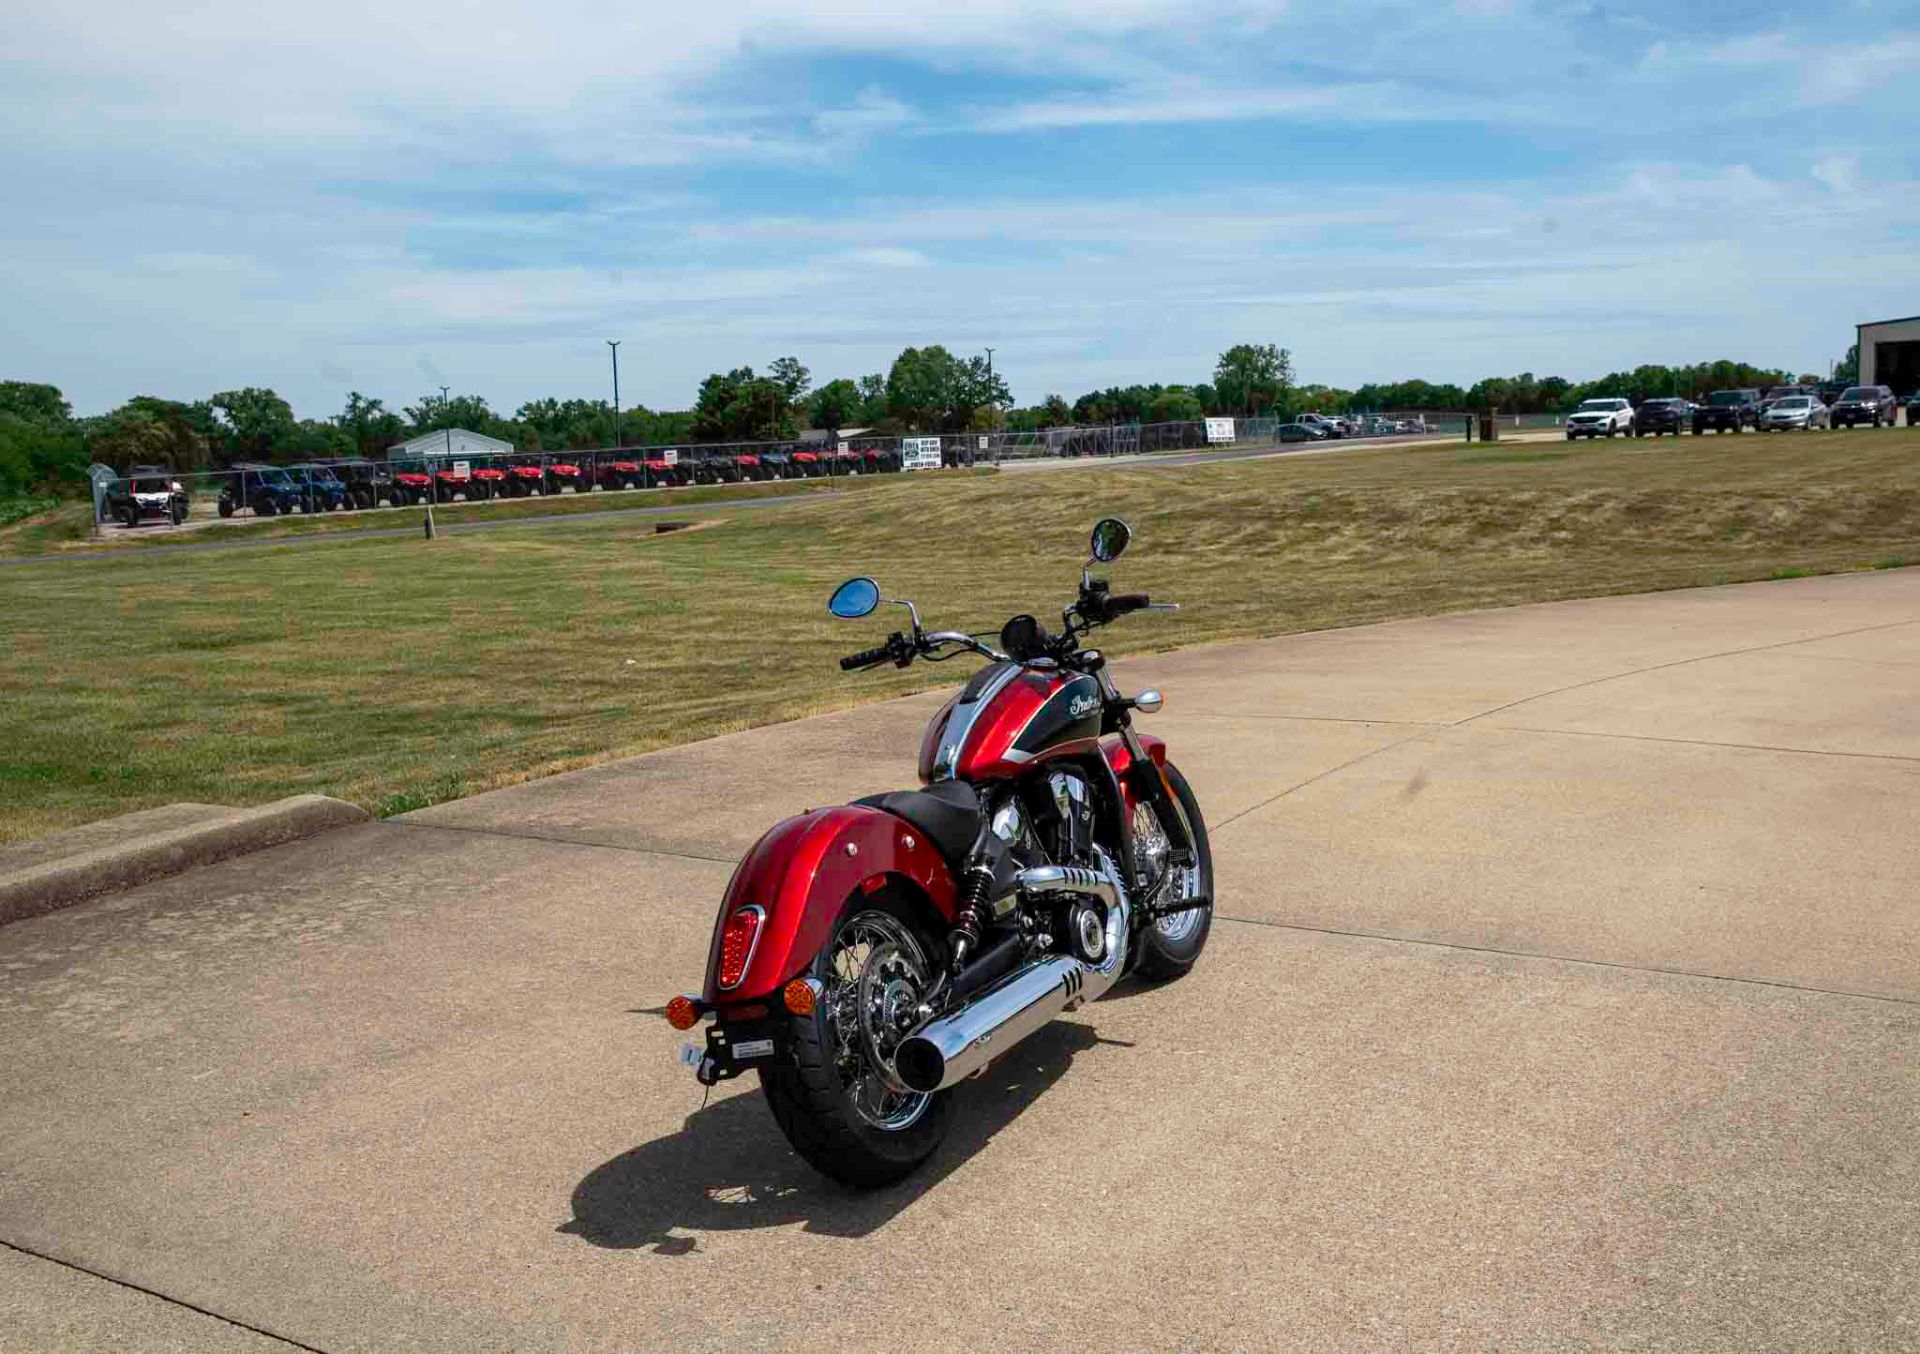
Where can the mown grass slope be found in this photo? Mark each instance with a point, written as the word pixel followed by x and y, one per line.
pixel 397 672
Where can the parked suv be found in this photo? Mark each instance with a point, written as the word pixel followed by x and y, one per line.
pixel 1864 404
pixel 1600 418
pixel 146 491
pixel 267 489
pixel 1728 411
pixel 1660 416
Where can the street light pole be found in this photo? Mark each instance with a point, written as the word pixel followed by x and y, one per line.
pixel 614 344
pixel 433 478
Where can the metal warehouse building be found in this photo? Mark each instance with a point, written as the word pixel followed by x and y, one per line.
pixel 1890 354
pixel 451 442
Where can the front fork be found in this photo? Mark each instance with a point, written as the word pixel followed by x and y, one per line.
pixel 1143 773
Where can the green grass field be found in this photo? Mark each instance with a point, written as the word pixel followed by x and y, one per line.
pixel 398 672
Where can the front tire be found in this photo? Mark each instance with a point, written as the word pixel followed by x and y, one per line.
pixel 1171 946
pixel 829 1092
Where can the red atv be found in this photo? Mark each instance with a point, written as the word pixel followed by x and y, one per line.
pixel 410 487
pixel 565 474
pixel 664 473
pixel 622 474
pixel 451 483
pixel 808 465
pixel 487 481
pixel 524 478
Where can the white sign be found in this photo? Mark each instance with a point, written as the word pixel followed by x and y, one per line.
pixel 983 441
pixel 463 470
pixel 671 456
pixel 1219 430
pixel 919 453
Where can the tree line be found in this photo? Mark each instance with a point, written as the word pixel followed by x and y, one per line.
pixel 925 390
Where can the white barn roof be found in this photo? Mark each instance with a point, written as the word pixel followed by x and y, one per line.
pixel 451 442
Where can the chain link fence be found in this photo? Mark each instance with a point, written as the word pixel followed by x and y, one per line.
pixel 145 495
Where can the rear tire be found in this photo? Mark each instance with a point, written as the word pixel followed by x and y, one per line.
pixel 808 1093
pixel 1162 955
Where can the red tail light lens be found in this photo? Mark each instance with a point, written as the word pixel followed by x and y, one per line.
pixel 737 940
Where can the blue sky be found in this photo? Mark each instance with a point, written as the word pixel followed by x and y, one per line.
pixel 386 198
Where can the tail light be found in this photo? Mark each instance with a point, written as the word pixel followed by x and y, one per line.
pixel 737 940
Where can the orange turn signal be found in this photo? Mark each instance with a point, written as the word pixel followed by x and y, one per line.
pixel 683 1013
pixel 800 997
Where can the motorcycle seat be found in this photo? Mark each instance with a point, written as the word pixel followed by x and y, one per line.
pixel 948 812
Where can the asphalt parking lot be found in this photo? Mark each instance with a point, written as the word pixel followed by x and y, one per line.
pixel 1566 992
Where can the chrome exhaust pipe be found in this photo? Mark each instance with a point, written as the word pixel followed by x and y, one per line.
pixel 944 1052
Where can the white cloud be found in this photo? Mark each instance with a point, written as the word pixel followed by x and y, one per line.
pixel 1840 171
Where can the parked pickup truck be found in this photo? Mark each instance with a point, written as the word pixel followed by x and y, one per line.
pixel 1728 411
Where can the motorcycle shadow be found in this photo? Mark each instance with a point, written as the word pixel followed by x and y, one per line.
pixel 729 1168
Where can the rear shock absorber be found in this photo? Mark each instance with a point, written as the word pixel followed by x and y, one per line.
pixel 971 920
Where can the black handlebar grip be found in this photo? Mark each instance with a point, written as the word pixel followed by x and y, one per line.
pixel 1122 602
pixel 866 658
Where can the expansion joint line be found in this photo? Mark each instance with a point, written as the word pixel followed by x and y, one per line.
pixel 167 1298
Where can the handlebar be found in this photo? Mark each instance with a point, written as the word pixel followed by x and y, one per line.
pixel 866 658
pixel 901 650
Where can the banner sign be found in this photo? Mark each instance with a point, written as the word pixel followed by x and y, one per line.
pixel 919 453
pixel 463 470
pixel 1219 430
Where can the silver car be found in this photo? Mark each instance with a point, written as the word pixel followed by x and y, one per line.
pixel 1795 411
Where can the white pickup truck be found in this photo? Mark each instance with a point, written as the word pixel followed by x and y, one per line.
pixel 1600 418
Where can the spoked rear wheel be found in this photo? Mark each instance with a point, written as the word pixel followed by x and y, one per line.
pixel 837 1097
pixel 1170 947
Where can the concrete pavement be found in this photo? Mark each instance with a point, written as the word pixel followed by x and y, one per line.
pixel 1566 992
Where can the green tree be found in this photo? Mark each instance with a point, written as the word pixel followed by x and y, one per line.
pixel 41 448
pixel 252 423
pixel 369 427
pixel 1250 377
pixel 153 431
pixel 435 412
pixel 837 404
pixel 1848 368
pixel 931 390
pixel 791 377
pixel 35 402
pixel 738 406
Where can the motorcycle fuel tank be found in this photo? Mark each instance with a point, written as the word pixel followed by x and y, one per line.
pixel 1008 717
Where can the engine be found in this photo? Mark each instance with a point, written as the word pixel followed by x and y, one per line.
pixel 1051 822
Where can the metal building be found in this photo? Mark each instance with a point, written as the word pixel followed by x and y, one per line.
pixel 449 442
pixel 1890 354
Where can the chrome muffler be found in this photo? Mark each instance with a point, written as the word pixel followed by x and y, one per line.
pixel 948 1050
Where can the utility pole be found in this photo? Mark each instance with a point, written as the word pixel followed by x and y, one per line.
pixel 433 479
pixel 614 344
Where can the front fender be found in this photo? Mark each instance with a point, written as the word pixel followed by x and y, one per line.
pixel 802 871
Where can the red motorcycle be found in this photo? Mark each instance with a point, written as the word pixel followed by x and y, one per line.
pixel 869 957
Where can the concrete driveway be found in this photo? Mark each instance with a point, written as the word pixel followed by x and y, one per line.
pixel 1564 994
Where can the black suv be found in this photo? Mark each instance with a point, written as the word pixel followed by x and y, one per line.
pixel 1864 404
pixel 146 491
pixel 1661 416
pixel 1727 411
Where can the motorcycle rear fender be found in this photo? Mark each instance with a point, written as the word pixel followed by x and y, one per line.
pixel 802 872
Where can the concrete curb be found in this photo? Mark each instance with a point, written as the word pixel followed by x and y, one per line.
pixel 65 879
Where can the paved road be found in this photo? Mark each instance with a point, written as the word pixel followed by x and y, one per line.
pixel 1566 993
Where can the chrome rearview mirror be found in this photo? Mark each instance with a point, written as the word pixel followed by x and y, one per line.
pixel 854 598
pixel 1110 537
